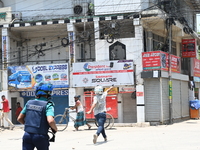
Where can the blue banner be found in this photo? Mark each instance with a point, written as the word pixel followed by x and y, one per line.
pixel 62 92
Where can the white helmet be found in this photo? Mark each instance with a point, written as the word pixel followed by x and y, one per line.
pixel 98 90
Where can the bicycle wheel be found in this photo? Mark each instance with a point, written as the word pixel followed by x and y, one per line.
pixel 109 121
pixel 61 122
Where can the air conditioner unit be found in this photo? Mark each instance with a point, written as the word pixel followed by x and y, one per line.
pixel 17 15
pixel 80 8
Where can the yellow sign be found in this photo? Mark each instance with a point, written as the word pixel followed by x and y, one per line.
pixel 112 91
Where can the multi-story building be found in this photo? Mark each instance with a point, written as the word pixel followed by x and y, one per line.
pixel 80 44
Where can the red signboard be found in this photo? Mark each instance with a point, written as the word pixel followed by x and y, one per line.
pixel 188 48
pixel 151 60
pixel 158 60
pixel 196 67
pixel 140 93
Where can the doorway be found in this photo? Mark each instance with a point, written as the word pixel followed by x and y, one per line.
pixel 129 108
pixel 13 109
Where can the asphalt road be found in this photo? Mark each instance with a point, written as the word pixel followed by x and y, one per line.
pixel 178 136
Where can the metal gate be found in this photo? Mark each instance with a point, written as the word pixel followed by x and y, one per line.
pixel 152 96
pixel 184 99
pixel 176 99
pixel 129 108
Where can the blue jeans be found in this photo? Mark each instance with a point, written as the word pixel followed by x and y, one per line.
pixel 30 141
pixel 101 118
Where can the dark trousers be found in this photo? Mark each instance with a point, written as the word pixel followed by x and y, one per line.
pixel 30 141
pixel 101 118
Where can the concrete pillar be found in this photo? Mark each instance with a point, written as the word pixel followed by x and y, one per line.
pixel 140 103
pixel 71 36
pixel 96 35
pixel 5 64
pixel 5 56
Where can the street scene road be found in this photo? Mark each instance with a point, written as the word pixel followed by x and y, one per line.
pixel 178 136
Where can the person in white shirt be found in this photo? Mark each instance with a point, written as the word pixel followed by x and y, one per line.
pixel 99 107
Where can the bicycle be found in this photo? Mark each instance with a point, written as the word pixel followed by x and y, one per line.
pixel 62 120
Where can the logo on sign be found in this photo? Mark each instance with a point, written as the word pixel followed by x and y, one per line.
pixel 85 66
pixel 127 66
pixel 85 80
pixel 89 67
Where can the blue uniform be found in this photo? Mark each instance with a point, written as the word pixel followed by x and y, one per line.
pixel 36 125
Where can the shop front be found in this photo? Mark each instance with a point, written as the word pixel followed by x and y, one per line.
pixel 156 88
pixel 59 98
pixel 117 73
pixel 25 79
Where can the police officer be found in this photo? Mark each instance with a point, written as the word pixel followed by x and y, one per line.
pixel 38 117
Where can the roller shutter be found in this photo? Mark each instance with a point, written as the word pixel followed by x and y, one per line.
pixel 185 98
pixel 176 99
pixel 129 109
pixel 165 99
pixel 152 100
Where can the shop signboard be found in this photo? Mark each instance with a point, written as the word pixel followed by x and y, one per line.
pixel 61 92
pixel 188 48
pixel 27 77
pixel 158 60
pixel 107 73
pixel 126 89
pixel 196 67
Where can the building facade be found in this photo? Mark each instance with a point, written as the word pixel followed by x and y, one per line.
pixel 102 43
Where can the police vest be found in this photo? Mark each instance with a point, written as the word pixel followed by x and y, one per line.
pixel 36 120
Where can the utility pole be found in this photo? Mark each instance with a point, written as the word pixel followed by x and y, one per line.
pixel 170 22
pixel 170 73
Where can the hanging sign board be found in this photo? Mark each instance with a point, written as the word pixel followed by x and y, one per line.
pixel 188 48
pixel 196 67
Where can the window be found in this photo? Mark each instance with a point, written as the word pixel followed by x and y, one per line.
pixel 159 44
pixel 117 51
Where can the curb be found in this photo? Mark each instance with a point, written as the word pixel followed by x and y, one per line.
pixel 142 124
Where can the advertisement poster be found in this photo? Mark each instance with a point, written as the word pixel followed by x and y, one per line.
pixel 188 48
pixel 106 73
pixel 158 60
pixel 27 77
pixel 196 67
pixel 151 60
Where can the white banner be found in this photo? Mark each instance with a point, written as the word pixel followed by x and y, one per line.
pixel 106 73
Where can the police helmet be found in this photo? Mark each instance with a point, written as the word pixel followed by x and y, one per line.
pixel 44 89
pixel 98 90
pixel 77 96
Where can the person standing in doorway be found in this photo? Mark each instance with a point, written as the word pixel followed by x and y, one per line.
pixel 38 117
pixel 80 119
pixel 18 110
pixel 6 110
pixel 99 107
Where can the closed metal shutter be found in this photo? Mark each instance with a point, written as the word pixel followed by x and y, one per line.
pixel 185 98
pixel 165 99
pixel 129 109
pixel 152 100
pixel 176 99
